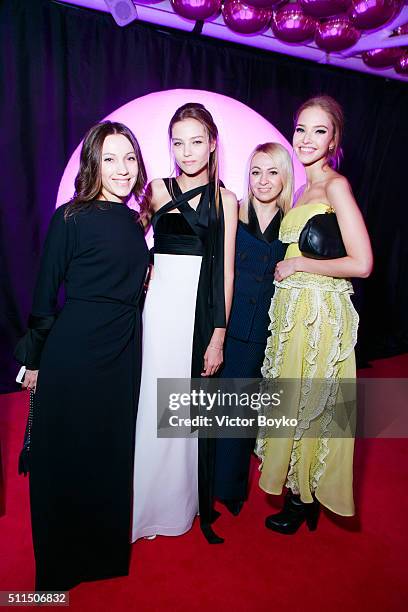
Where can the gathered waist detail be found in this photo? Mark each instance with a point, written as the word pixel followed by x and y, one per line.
pixel 102 300
pixel 306 280
pixel 174 244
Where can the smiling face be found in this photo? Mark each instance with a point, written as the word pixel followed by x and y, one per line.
pixel 265 178
pixel 313 138
pixel 119 168
pixel 191 146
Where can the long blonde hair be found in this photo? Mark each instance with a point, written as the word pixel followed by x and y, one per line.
pixel 330 106
pixel 283 161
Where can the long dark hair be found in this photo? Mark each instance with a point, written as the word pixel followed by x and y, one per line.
pixel 195 110
pixel 88 181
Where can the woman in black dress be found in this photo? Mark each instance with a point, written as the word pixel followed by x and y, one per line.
pixel 270 187
pixel 89 359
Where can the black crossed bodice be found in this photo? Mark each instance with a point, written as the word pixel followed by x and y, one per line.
pixel 182 233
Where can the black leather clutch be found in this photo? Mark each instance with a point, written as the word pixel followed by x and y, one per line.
pixel 321 237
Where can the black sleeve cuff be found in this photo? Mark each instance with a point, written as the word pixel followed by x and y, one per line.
pixel 29 348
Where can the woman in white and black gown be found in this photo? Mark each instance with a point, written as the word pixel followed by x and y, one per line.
pixel 185 315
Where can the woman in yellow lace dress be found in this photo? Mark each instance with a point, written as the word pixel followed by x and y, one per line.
pixel 313 333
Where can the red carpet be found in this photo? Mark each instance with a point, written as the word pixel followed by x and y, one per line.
pixel 347 564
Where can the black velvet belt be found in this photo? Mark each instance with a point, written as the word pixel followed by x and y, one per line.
pixel 174 244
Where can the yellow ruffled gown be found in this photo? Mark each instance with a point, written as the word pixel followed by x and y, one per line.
pixel 313 334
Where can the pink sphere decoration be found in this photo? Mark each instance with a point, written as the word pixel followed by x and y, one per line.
pixel 245 19
pixel 265 3
pixel 196 9
pixel 292 25
pixel 401 65
pixel 336 34
pixel 324 8
pixel 371 14
pixel 382 58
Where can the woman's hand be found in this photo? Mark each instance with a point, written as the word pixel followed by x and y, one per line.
pixel 30 379
pixel 285 268
pixel 213 359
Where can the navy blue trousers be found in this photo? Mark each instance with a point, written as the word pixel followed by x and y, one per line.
pixel 233 455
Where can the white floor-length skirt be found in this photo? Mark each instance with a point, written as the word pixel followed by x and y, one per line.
pixel 165 498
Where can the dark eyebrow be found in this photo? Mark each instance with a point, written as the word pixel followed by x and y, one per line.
pixel 191 138
pixel 315 126
pixel 258 168
pixel 114 154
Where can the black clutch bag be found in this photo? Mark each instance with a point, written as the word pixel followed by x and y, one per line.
pixel 321 237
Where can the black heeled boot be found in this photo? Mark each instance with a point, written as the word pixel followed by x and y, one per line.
pixel 294 513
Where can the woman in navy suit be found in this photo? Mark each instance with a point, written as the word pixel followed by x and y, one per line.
pixel 258 249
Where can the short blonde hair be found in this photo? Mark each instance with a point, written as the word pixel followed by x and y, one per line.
pixel 284 164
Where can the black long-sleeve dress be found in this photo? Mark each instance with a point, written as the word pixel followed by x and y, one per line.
pixel 89 359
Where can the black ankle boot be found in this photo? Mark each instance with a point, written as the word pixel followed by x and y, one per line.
pixel 294 513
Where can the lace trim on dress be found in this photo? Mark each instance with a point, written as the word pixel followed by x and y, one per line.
pixel 324 409
pixel 337 309
pixel 292 234
pixel 306 280
pixel 273 359
pixel 275 348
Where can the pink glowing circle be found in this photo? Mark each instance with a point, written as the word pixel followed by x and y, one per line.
pixel 240 130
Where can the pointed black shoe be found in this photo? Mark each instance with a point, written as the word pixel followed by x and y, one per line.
pixel 214 515
pixel 234 506
pixel 210 535
pixel 294 513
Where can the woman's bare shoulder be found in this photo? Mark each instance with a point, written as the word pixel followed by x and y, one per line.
pixel 243 211
pixel 157 186
pixel 337 184
pixel 228 197
pixel 158 193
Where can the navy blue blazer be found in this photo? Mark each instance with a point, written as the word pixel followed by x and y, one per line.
pixel 255 262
